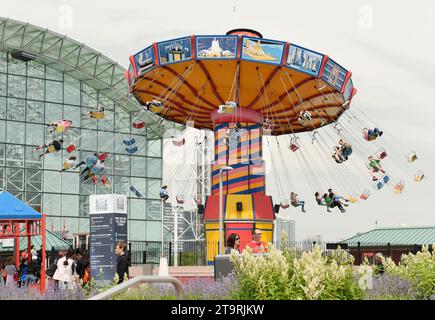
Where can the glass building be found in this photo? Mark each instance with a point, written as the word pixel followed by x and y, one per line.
pixel 46 77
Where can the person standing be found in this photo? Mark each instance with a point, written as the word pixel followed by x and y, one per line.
pixel 64 270
pixel 10 271
pixel 256 244
pixel 122 262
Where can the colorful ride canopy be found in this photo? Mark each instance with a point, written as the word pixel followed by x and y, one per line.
pixel 194 75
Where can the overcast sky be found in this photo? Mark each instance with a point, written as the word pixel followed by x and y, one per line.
pixel 388 46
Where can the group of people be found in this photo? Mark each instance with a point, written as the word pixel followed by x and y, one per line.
pixel 342 152
pixel 70 269
pixel 256 245
pixel 27 272
pixel 331 200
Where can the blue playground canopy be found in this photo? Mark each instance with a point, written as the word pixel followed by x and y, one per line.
pixel 15 209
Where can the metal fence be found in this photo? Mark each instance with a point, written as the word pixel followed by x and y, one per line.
pixel 194 253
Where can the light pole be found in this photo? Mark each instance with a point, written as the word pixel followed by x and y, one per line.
pixel 225 168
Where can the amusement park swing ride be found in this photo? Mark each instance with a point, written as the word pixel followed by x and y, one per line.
pixel 248 90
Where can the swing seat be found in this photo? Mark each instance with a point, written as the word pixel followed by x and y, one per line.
pixel 128 141
pixel 379 185
pixel 180 199
pixel 294 146
pixel 131 150
pixel 155 109
pixel 94 179
pixel 179 142
pixel 51 149
pixel 418 177
pixel 365 195
pixel 411 157
pixel 386 179
pixel 352 199
pixel 138 124
pixel 227 108
pixel 284 204
pixel 371 137
pixel 398 188
pixel 268 125
pixel 381 154
pixel 103 156
pixel 98 114
pixel 70 148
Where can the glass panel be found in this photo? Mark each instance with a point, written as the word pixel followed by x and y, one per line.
pixel 84 225
pixel 153 189
pixel 2 108
pixel 84 207
pixel 154 148
pixel 32 158
pixel 154 168
pixel 16 66
pixel 2 178
pixel 35 89
pixel 14 179
pixel 71 226
pixel 2 84
pixel 71 91
pixel 105 141
pixel 137 209
pixel 53 224
pixel 122 120
pixel 51 205
pixel 70 182
pixel 53 112
pixel 119 146
pixel 140 184
pixel 16 109
pixel 153 231
pixel 35 111
pixel 73 114
pixel 34 200
pixel 14 155
pixel 34 180
pixel 53 161
pixel 88 140
pixel 121 185
pixel 2 131
pixel 153 210
pixel 16 86
pixel 138 166
pixel 121 165
pixel 34 134
pixel 35 69
pixel 15 132
pixel 70 205
pixel 51 181
pixel 53 74
pixel 54 91
pixel 141 144
pixel 2 154
pixel 136 230
pixel 3 61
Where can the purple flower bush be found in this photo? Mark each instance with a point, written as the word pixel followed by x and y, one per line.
pixel 390 287
pixel 15 293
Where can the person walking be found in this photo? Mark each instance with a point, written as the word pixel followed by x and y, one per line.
pixel 64 270
pixel 11 272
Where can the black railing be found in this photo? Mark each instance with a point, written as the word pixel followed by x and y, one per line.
pixel 195 253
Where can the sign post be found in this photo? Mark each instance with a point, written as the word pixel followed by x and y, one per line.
pixel 108 225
